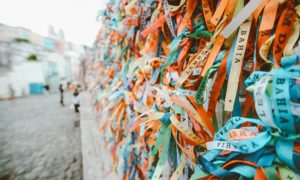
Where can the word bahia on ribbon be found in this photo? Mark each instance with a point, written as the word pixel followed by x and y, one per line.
pixel 199 89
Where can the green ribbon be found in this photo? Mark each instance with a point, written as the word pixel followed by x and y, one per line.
pixel 200 99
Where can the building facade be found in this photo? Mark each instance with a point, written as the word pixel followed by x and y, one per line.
pixel 27 58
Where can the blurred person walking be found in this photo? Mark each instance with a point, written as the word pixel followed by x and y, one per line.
pixel 47 89
pixel 76 100
pixel 11 92
pixel 61 89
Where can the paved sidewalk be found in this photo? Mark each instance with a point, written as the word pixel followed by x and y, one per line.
pixel 97 161
pixel 39 139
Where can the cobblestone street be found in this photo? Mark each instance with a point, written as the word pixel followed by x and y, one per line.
pixel 39 139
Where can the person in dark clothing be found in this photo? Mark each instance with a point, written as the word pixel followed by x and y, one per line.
pixel 47 89
pixel 61 89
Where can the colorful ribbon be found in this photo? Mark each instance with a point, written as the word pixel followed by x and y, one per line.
pixel 187 89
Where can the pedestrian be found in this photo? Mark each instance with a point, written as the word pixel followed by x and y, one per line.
pixel 78 88
pixel 76 101
pixel 47 89
pixel 11 92
pixel 61 89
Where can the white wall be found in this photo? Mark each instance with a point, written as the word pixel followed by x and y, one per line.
pixel 4 81
pixel 20 77
pixel 59 60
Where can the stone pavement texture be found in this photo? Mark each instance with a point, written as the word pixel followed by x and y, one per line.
pixel 39 139
pixel 97 161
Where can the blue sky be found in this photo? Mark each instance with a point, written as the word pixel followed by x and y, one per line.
pixel 75 17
